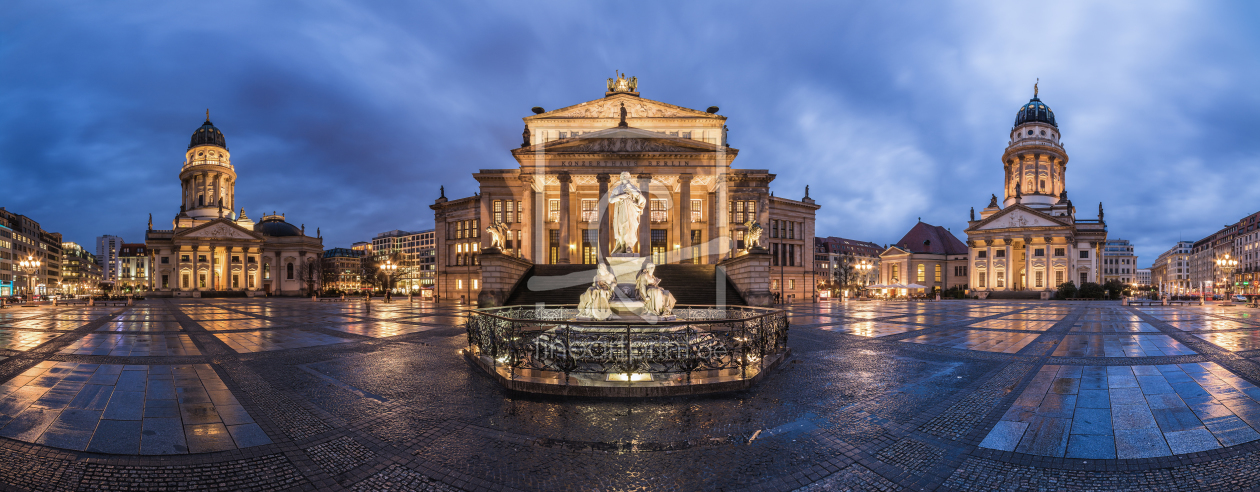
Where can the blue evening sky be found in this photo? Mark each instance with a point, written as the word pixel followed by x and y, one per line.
pixel 348 115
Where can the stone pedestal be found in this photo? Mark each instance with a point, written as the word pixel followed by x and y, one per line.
pixel 1045 295
pixel 750 273
pixel 626 267
pixel 499 275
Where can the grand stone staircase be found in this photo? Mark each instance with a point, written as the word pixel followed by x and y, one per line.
pixel 564 284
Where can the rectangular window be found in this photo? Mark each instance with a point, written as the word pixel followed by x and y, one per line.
pixel 590 244
pixel 251 280
pixel 184 278
pixel 1059 252
pixel 509 211
pixel 1039 281
pixel 1058 277
pixel 201 258
pixel 658 210
pixel 1039 252
pixel 1001 253
pixel 774 228
pixel 1085 254
pixel 982 254
pixel 660 245
pixel 236 259
pixel 697 210
pixel 165 282
pixel 1084 278
pixel 236 281
pixel 893 271
pixel 498 210
pixel 266 271
pixel 553 210
pixel 938 274
pixel 791 230
pixel 553 243
pixel 791 255
pixel 920 274
pixel 791 284
pixel 737 212
pixel 590 210
pixel 1001 278
pixel 982 279
pixel 201 279
pixel 165 260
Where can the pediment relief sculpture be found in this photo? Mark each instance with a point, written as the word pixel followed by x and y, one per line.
pixel 220 231
pixel 612 109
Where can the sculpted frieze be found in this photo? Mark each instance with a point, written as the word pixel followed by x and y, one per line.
pixel 623 145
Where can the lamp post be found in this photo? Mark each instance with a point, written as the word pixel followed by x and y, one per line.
pixel 389 267
pixel 865 268
pixel 1227 265
pixel 29 266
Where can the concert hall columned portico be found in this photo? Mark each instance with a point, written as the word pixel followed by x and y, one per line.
pixel 553 207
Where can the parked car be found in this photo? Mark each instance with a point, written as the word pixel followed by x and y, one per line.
pixel 1240 298
pixel 1218 297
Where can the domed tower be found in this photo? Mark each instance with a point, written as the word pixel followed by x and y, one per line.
pixel 208 179
pixel 1034 160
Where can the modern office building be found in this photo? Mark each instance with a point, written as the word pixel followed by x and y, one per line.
pixel 107 248
pixel 416 254
pixel 1119 262
pixel 134 269
pixel 1171 270
pixel 80 271
pixel 343 269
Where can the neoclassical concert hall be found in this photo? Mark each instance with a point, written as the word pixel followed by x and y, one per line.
pixel 699 205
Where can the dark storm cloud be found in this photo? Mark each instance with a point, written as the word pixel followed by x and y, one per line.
pixel 348 116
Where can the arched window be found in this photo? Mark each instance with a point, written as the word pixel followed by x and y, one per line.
pixel 289 268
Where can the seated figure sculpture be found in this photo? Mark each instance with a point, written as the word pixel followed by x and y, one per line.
pixel 595 302
pixel 656 301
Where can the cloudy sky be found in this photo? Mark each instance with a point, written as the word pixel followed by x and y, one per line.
pixel 348 115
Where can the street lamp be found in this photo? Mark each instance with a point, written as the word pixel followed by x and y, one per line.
pixel 29 266
pixel 389 267
pixel 1227 266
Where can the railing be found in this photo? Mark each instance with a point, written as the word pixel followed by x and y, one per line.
pixel 206 162
pixel 734 340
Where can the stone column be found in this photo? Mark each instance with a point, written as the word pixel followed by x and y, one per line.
pixel 684 218
pixel 1028 270
pixel 565 222
pixel 196 268
pixel 1010 266
pixel 989 270
pixel 536 248
pixel 645 223
pixel 602 179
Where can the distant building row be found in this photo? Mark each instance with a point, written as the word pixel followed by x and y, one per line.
pixel 1192 266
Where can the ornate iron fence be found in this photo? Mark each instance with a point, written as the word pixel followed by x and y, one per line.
pixel 737 339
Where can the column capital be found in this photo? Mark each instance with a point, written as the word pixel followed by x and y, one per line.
pixel 602 178
pixel 685 177
pixel 564 177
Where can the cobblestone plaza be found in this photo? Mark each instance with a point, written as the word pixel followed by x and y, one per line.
pixel 954 395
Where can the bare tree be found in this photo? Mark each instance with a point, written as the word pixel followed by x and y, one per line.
pixel 369 269
pixel 310 271
pixel 389 278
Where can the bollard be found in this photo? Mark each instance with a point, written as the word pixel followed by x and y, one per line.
pixel 91 301
pixel 314 299
pixel 129 301
pixel 54 301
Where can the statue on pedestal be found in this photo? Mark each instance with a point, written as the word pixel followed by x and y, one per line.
pixel 595 302
pixel 656 301
pixel 497 232
pixel 752 238
pixel 626 203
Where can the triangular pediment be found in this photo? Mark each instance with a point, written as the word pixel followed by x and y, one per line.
pixel 1017 217
pixel 219 229
pixel 610 107
pixel 893 250
pixel 623 139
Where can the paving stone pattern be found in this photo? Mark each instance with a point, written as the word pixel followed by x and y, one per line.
pixel 288 394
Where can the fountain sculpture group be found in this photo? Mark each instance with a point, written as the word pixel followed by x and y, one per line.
pixel 625 326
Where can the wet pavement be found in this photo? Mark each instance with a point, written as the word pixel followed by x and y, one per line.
pixel 953 395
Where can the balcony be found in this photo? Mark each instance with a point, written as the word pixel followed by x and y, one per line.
pixel 205 162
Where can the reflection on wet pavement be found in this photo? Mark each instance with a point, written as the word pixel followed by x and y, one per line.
pixel 125 409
